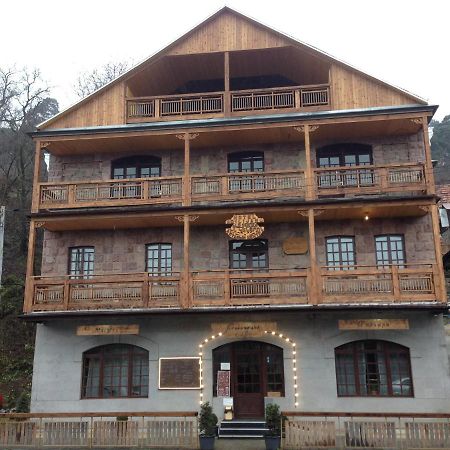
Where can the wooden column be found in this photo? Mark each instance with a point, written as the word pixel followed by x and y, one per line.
pixel 187 137
pixel 315 284
pixel 429 175
pixel 309 173
pixel 36 177
pixel 185 294
pixel 441 292
pixel 29 283
pixel 227 95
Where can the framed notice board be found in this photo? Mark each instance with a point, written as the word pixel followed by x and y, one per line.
pixel 179 373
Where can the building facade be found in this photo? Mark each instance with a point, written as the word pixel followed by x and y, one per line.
pixel 239 219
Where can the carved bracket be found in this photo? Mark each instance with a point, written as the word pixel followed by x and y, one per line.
pixel 417 121
pixel 190 218
pixel 39 224
pixel 305 212
pixel 424 208
pixel 311 128
pixel 190 136
pixel 44 144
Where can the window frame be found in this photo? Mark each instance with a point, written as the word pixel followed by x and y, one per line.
pixel 341 266
pixel 389 250
pixel 388 349
pixel 99 353
pixel 139 162
pixel 232 251
pixel 82 275
pixel 240 157
pixel 341 151
pixel 159 272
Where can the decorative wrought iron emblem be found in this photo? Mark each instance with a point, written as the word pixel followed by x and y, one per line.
pixel 244 226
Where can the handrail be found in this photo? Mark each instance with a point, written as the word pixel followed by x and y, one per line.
pixel 364 414
pixel 99 414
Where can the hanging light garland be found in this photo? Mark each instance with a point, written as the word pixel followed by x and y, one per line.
pixel 268 332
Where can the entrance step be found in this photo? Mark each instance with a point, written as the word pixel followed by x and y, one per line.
pixel 238 429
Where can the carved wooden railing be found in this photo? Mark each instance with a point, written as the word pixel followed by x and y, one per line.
pixel 94 430
pixel 248 185
pixel 370 179
pixel 141 109
pixel 246 287
pixel 110 192
pixel 139 290
pixel 360 284
pixel 339 430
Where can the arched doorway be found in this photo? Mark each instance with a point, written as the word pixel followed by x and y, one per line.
pixel 256 371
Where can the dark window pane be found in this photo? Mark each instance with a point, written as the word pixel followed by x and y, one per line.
pixel 159 259
pixel 81 262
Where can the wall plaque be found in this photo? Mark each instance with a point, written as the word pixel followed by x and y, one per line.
pixel 223 383
pixel 179 373
pixel 295 246
pixel 374 324
pixel 99 330
pixel 243 329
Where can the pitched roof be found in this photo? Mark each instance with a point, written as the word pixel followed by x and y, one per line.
pixel 186 36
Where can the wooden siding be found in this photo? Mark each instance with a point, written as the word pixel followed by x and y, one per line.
pixel 228 32
pixel 351 90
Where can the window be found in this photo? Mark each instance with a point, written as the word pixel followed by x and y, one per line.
pixel 373 368
pixel 243 162
pixel 340 252
pixel 159 259
pixel 81 262
pixel 115 371
pixel 390 249
pixel 252 254
pixel 136 167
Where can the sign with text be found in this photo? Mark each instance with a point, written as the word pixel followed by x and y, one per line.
pixel 243 329
pixel 374 324
pixel 223 383
pixel 179 373
pixel 100 330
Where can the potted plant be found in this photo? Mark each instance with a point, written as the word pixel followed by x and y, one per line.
pixel 273 422
pixel 207 423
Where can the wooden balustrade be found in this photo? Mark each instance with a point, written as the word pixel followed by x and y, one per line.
pixel 251 184
pixel 93 430
pixel 142 109
pixel 406 431
pixel 355 284
pixel 370 179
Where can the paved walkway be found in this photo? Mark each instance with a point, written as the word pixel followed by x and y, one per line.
pixel 240 444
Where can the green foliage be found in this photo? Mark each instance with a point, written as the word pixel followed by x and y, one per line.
pixel 440 149
pixel 207 420
pixel 23 402
pixel 273 419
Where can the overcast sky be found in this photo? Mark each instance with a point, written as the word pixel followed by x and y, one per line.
pixel 405 43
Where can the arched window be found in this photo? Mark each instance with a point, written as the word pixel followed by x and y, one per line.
pixel 252 254
pixel 114 371
pixel 373 369
pixel 136 167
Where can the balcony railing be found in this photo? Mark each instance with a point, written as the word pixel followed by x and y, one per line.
pixel 359 285
pixel 370 179
pixel 143 109
pixel 251 184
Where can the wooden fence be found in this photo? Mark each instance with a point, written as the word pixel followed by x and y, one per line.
pixel 366 430
pixel 91 430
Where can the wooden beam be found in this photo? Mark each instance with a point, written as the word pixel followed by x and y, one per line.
pixel 29 286
pixel 36 176
pixel 429 175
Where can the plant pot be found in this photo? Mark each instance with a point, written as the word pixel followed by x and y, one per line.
pixel 273 442
pixel 207 442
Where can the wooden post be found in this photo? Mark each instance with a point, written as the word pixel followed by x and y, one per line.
pixel 441 292
pixel 309 172
pixel 36 178
pixel 29 280
pixel 227 95
pixel 429 175
pixel 187 137
pixel 396 292
pixel 316 294
pixel 185 291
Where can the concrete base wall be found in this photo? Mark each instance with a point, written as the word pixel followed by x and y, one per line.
pixel 59 353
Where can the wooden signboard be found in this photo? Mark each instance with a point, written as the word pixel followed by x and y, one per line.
pixel 374 324
pixel 179 373
pixel 295 246
pixel 223 383
pixel 243 329
pixel 100 330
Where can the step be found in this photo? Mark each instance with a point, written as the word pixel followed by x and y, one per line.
pixel 248 429
pixel 242 424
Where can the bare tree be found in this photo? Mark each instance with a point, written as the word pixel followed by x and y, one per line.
pixel 89 82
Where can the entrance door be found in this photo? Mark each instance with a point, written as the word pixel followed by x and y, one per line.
pixel 248 380
pixel 256 371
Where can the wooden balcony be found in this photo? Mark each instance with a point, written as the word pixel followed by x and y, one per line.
pixel 329 182
pixel 214 104
pixel 361 285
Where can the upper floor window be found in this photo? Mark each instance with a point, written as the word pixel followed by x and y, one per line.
pixel 136 167
pixel 390 249
pixel 246 162
pixel 373 368
pixel 81 262
pixel 252 254
pixel 340 155
pixel 115 370
pixel 341 252
pixel 159 259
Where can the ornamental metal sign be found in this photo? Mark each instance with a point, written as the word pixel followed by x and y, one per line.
pixel 244 226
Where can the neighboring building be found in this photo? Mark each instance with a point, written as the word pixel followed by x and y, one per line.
pixel 152 215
